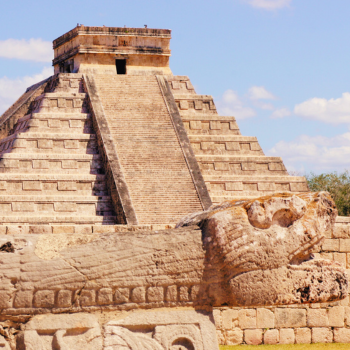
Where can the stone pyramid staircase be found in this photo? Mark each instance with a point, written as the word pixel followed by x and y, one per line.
pixel 51 171
pixel 152 161
pixel 233 166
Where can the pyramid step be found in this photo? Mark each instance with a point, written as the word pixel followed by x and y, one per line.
pixel 52 187
pixel 42 219
pixel 51 163
pixel 240 165
pixel 209 124
pixel 12 205
pixel 225 145
pixel 30 142
pixel 44 125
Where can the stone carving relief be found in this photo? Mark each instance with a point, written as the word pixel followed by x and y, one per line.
pixel 178 330
pixel 62 332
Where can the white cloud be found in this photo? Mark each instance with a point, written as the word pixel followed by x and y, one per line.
pixel 333 111
pixel 269 4
pixel 281 113
pixel 316 153
pixel 32 50
pixel 230 104
pixel 260 93
pixel 12 89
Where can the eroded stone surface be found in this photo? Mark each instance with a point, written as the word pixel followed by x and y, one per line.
pixel 265 247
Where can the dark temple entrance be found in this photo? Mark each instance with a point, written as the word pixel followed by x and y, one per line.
pixel 121 66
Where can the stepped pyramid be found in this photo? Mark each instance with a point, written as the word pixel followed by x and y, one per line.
pixel 113 138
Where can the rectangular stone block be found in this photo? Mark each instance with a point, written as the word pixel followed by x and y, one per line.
pixel 215 125
pixel 331 245
pixel 321 335
pixel 69 164
pixel 266 186
pixel 77 103
pixel 61 103
pixel 46 144
pixel 3 185
pixel 10 163
pixel 171 293
pixel 23 299
pixel 105 296
pixel 195 125
pixel 87 297
pixel 23 206
pixel 290 318
pixel 198 104
pixel 341 335
pixel 65 206
pixel 31 186
pixel 40 229
pixel 253 336
pixel 287 336
pixel 276 166
pixel 340 257
pixel 265 318
pixel 83 229
pixel 336 316
pixel 184 293
pixel 54 123
pixel 234 337
pixel 121 295
pixel 302 335
pixel 254 146
pixel 317 318
pixel 184 104
pixel 64 298
pixel 155 294
pixel 40 164
pixel 229 319
pixel 248 166
pixel 232 146
pixel 63 229
pixel 6 299
pixel 225 166
pixel 66 186
pixel 138 295
pixel 234 186
pixel 341 231
pixel 247 318
pixel 344 245
pixel 44 299
pixel 72 144
pixel 271 337
pixel 74 123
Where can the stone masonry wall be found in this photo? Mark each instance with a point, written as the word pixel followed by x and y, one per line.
pixel 299 324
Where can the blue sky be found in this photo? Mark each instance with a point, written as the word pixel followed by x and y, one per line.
pixel 279 66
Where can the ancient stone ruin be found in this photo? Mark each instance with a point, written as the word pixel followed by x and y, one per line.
pixel 135 217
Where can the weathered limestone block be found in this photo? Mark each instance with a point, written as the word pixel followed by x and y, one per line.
pixel 271 336
pixel 302 335
pixel 234 336
pixel 253 336
pixel 322 335
pixel 287 336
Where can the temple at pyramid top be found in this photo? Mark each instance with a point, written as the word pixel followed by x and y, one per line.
pixel 113 137
pixel 113 50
